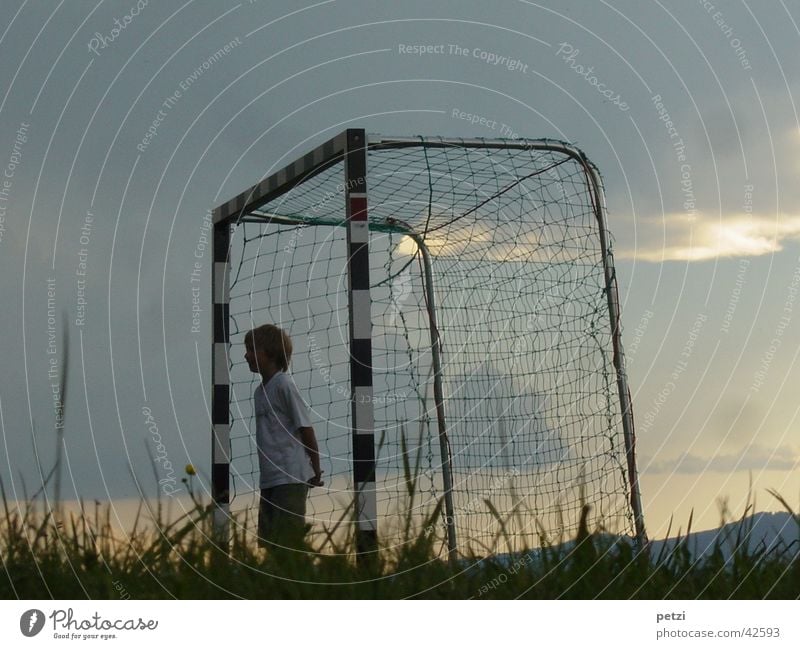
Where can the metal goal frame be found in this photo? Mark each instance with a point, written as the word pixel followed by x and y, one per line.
pixel 351 147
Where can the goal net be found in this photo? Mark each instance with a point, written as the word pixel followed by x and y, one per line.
pixel 520 277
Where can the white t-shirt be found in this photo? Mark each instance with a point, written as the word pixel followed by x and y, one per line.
pixel 280 411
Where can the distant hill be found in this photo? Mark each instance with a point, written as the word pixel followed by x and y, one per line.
pixel 777 533
pixel 773 532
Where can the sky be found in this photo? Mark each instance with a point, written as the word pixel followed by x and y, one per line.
pixel 118 133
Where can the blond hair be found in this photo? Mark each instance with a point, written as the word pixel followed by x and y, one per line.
pixel 272 341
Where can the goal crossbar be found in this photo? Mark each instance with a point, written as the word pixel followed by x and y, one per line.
pixel 330 152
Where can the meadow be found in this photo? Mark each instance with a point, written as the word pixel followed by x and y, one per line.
pixel 50 554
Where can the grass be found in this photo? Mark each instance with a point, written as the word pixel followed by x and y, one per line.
pixel 46 553
pixel 80 556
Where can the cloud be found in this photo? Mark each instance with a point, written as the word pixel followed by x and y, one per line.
pixel 700 238
pixel 675 237
pixel 503 241
pixel 750 458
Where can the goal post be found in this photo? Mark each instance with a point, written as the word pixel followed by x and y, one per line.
pixel 455 315
pixel 360 330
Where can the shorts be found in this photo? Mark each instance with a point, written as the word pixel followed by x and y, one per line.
pixel 282 515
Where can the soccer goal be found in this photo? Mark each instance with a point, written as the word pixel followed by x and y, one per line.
pixel 455 318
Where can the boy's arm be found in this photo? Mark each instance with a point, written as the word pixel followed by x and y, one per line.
pixel 309 440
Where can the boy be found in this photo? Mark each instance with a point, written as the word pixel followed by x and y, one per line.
pixel 288 455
